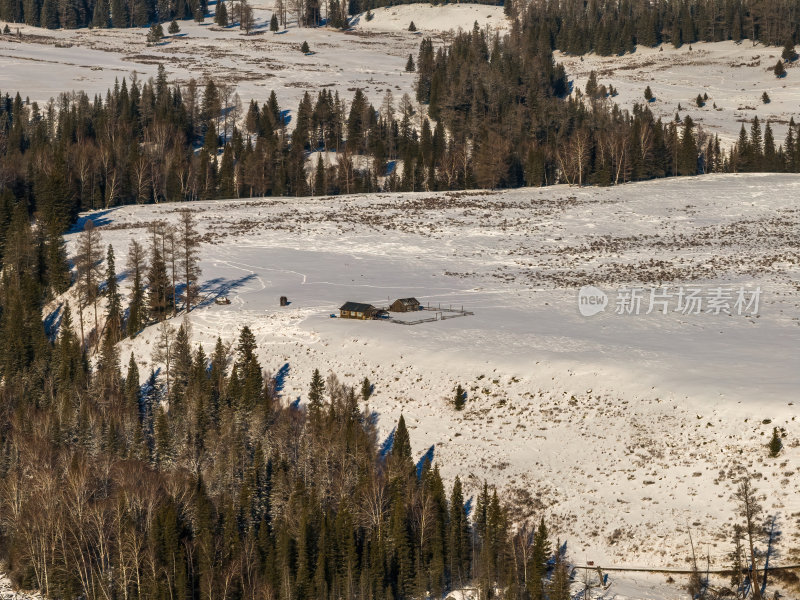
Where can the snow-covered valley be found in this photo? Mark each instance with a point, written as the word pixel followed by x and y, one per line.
pixel 623 430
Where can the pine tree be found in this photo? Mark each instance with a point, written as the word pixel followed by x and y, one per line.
pixel 188 258
pixel 114 303
pixel 273 23
pixel 221 16
pixel 460 398
pixel 756 145
pixel 458 538
pixel 69 368
pixel 558 587
pixel 687 160
pixel 304 48
pixel 537 564
pixel 136 310
pixel 132 387
pixel 155 34
pixel 591 85
pixel 775 443
pixel 182 361
pixel 315 393
pixel 159 288
pixel 107 377
pixel 412 27
pixel 780 70
pixel 410 68
pixel 173 27
pixel 788 54
pixel 765 98
pixel 366 389
pixel 401 463
pixel 87 265
pixel 319 177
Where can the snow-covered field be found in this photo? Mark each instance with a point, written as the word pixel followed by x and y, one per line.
pixel 623 430
pixel 372 55
pixel 734 75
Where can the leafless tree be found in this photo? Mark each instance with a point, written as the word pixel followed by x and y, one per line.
pixel 189 248
pixel 87 262
pixel 163 350
pixel 750 511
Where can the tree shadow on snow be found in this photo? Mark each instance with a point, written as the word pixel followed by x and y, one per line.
pixel 386 447
pixel 98 218
pixel 425 459
pixel 280 378
pixel 219 287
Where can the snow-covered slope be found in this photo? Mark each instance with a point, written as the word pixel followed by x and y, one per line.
pixel 734 75
pixel 434 18
pixel 372 56
pixel 622 429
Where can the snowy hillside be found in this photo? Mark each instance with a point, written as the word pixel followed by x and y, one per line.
pixel 622 429
pixel 429 18
pixel 372 55
pixel 734 75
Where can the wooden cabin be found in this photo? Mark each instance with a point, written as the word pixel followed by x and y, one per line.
pixel 357 310
pixel 405 305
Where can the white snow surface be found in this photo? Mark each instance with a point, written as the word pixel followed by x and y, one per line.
pixel 429 18
pixel 7 591
pixel 42 63
pixel 733 74
pixel 621 430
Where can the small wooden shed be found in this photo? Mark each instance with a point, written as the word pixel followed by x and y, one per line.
pixel 357 310
pixel 404 305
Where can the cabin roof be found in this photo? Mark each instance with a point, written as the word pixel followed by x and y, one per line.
pixel 356 307
pixel 407 301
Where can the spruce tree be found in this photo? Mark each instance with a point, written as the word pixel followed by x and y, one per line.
pixel 315 393
pixel 537 564
pixel 155 34
pixel 788 54
pixel 132 386
pixel 159 288
pixel 410 68
pixel 136 308
pixel 412 27
pixel 366 389
pixel 273 23
pixel 221 16
pixel 319 177
pixel 458 538
pixel 775 443
pixel 780 70
pixel 173 27
pixel 459 398
pixel 114 303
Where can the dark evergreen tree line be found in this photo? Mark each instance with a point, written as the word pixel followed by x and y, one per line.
pixel 71 14
pixel 614 27
pixel 508 121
